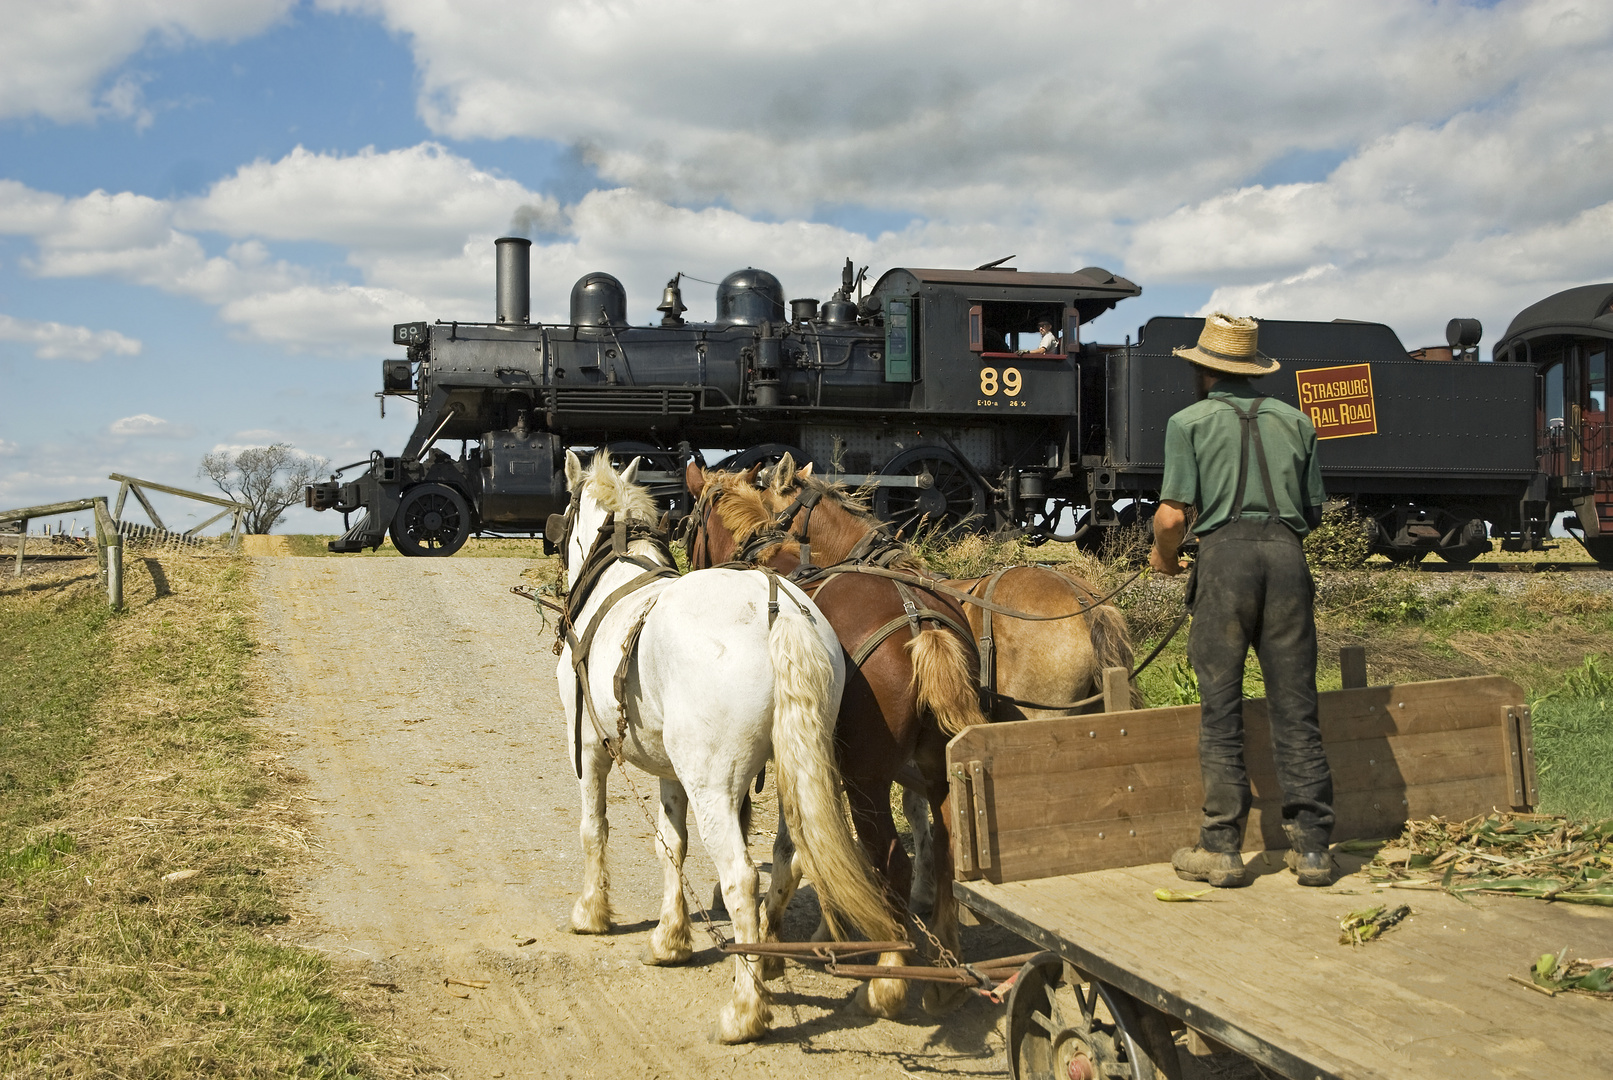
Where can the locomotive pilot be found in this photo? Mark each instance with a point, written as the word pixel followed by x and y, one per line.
pixel 1247 464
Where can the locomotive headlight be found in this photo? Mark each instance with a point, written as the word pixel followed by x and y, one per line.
pixel 397 376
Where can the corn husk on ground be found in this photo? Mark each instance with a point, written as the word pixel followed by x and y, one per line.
pixel 1360 927
pixel 1594 978
pixel 1531 855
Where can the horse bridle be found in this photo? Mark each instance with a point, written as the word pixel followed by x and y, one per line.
pixel 780 530
pixel 563 524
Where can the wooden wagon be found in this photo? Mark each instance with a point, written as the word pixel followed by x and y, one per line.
pixel 1064 829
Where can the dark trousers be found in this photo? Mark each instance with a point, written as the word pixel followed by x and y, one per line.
pixel 1252 587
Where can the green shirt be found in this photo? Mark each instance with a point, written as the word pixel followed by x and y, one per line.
pixel 1201 460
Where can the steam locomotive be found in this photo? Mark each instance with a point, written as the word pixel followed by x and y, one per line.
pixel 933 389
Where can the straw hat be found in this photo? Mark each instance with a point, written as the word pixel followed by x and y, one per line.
pixel 1227 344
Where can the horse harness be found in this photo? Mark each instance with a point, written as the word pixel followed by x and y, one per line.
pixel 989 694
pixel 609 548
pixel 874 554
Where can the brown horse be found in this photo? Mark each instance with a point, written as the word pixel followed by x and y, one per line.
pixel 1031 669
pixel 1046 667
pixel 911 687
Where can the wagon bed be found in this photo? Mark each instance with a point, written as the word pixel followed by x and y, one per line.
pixel 1062 828
pixel 1261 971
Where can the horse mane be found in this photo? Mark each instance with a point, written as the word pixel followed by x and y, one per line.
pixel 631 501
pixel 744 512
pixel 842 531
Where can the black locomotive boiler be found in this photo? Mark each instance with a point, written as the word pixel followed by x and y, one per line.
pixel 931 387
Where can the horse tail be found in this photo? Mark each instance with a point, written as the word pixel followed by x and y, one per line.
pixel 944 680
pixel 809 783
pixel 1111 643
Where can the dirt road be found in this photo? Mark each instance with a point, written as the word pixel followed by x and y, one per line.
pixel 418 696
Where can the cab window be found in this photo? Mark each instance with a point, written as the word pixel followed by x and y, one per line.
pixel 1010 328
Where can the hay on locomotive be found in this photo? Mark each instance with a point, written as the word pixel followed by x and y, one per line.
pixel 926 388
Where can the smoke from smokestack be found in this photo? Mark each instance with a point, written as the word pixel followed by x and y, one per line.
pixel 537 220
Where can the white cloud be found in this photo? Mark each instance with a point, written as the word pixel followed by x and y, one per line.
pixel 7 448
pixel 1470 160
pixel 55 57
pixel 1481 215
pixel 421 197
pixel 59 341
pixel 1036 107
pixel 144 425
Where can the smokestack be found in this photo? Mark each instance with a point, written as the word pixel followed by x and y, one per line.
pixel 514 287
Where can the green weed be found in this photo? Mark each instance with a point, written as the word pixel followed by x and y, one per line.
pixel 1183 687
pixel 1589 680
pixel 1343 541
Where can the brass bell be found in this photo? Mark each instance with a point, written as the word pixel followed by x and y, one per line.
pixel 671 305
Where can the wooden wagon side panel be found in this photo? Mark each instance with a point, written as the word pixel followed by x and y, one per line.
pixel 1038 798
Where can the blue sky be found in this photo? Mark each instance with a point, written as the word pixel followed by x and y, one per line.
pixel 210 216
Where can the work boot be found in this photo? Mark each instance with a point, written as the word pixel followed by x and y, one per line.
pixel 1307 855
pixel 1223 870
pixel 1311 867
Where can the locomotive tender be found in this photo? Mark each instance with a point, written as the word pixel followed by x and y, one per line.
pixel 927 389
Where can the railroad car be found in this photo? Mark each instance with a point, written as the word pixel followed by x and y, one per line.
pixel 932 387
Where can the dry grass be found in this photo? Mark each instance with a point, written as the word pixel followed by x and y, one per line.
pixel 130 757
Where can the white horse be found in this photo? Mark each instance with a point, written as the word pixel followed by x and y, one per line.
pixel 714 691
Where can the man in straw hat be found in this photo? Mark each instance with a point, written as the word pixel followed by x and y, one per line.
pixel 1248 465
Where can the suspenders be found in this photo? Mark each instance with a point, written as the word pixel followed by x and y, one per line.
pixel 1251 434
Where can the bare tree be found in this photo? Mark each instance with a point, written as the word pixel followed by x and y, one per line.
pixel 266 478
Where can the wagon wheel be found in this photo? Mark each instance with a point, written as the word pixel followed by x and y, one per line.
pixel 432 519
pixel 1058 1028
pixel 953 500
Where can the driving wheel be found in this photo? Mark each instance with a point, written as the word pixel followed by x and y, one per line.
pixel 1059 1029
pixel 672 496
pixel 766 454
pixel 951 499
pixel 432 519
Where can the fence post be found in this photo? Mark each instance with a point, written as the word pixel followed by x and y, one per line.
pixel 235 532
pixel 100 542
pixel 114 575
pixel 22 542
pixel 1352 666
pixel 110 544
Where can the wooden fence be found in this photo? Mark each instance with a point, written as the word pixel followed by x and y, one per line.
pixel 111 531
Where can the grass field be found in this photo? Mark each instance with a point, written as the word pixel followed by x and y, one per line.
pixel 146 839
